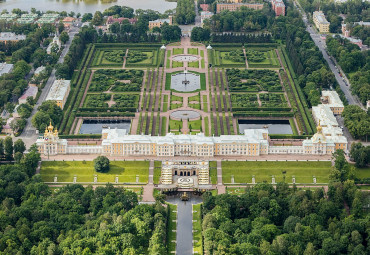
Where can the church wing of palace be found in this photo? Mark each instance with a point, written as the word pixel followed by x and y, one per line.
pixel 254 142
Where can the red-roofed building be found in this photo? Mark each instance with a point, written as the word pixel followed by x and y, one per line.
pixel 112 20
pixel 205 7
pixel 279 7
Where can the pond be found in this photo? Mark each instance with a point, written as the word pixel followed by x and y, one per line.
pixel 96 127
pixel 274 126
pixel 84 6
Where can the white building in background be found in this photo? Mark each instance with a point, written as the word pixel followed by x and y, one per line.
pixel 39 70
pixel 55 42
pixel 205 15
pixel 5 68
pixel 323 114
pixel 11 37
pixel 59 92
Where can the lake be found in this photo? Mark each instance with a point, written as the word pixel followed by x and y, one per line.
pixel 274 126
pixel 83 6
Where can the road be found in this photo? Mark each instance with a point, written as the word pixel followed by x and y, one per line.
pixel 320 43
pixel 184 233
pixel 29 135
pixel 186 29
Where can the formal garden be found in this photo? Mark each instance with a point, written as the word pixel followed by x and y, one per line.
pixel 253 80
pixel 262 58
pixel 109 57
pixel 116 80
pixel 141 56
pixel 226 57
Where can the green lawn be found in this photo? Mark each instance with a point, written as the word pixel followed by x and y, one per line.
pixel 164 127
pixel 165 103
pixel 177 64
pixel 362 173
pixel 263 170
pixel 194 98
pixel 176 98
pixel 193 51
pixel 205 103
pixel 171 236
pixel 177 51
pixel 157 174
pixel 84 170
pixel 174 124
pixel 235 191
pixel 194 64
pixel 175 106
pixel 195 124
pixel 197 229
pixel 202 60
pixel 206 126
pixel 213 175
pixel 168 61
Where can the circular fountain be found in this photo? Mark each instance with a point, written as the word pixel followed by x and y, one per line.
pixel 185 115
pixel 185 81
pixel 185 58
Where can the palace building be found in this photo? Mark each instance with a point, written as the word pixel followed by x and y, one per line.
pixel 254 142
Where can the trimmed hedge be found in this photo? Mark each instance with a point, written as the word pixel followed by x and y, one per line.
pixel 263 114
pixel 247 109
pixel 112 109
pixel 105 114
pixel 69 113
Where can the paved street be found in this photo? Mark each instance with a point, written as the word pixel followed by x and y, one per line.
pixel 320 43
pixel 29 135
pixel 184 234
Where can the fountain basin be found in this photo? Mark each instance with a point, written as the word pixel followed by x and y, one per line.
pixel 192 82
pixel 183 115
pixel 185 58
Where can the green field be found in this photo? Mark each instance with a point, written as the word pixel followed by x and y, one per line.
pixel 363 173
pixel 177 51
pixel 171 236
pixel 84 170
pixel 263 170
pixel 197 229
pixel 193 51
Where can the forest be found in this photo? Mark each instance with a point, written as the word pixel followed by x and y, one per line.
pixel 36 219
pixel 185 12
pixel 242 20
pixel 265 220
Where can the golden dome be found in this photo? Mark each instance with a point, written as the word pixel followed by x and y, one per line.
pixel 319 128
pixel 50 127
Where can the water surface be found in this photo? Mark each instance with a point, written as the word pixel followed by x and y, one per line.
pixel 83 6
pixel 96 127
pixel 274 126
